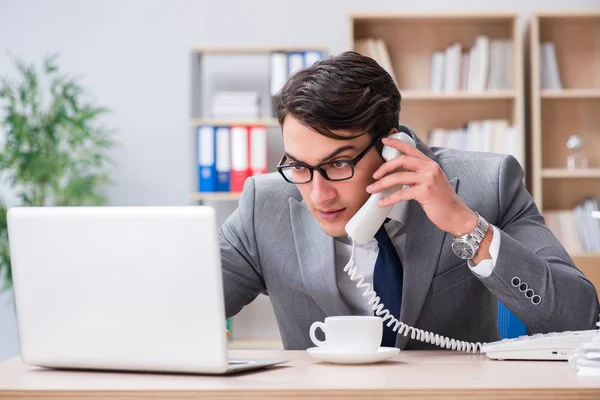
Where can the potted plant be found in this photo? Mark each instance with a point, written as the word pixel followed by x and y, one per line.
pixel 54 151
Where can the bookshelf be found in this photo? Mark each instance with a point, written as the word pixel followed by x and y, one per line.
pixel 235 69
pixel 563 103
pixel 411 39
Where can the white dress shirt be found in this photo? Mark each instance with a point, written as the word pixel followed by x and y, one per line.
pixel 365 256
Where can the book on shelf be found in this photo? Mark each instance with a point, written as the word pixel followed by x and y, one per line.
pixel 228 155
pixel 283 64
pixel 376 49
pixel 563 224
pixel 223 160
pixel 576 228
pixel 494 136
pixel 240 157
pixel 486 66
pixel 206 155
pixel 549 73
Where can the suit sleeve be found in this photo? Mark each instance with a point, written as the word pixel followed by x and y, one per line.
pixel 242 275
pixel 530 254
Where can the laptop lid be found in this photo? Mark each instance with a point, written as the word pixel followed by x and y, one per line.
pixel 122 288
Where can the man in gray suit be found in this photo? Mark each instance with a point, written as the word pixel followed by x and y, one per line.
pixel 466 232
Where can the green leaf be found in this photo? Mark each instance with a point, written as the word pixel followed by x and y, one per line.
pixel 5 269
pixel 55 151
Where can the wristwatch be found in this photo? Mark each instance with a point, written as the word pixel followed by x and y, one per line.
pixel 467 245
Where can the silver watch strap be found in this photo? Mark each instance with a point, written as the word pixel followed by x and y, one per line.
pixel 479 231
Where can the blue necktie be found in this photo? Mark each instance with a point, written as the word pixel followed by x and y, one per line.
pixel 387 282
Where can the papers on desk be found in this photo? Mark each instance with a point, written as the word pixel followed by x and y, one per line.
pixel 586 359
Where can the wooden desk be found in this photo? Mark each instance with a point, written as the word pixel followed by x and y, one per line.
pixel 411 374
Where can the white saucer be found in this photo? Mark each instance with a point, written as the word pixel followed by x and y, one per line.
pixel 341 357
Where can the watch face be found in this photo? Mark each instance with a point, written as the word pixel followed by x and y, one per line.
pixel 463 250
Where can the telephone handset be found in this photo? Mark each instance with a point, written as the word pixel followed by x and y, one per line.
pixel 361 228
pixel 365 223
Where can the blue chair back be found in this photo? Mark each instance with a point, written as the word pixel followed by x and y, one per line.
pixel 508 324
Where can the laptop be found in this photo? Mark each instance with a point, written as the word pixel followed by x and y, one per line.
pixel 121 288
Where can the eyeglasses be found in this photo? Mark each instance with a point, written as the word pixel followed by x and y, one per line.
pixel 338 170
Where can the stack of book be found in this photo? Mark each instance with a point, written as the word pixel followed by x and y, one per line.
pixel 494 136
pixel 235 105
pixel 228 155
pixel 284 64
pixel 576 229
pixel 487 65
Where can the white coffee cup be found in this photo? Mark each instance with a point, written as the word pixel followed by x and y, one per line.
pixel 357 334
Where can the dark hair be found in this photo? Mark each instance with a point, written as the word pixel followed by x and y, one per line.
pixel 348 91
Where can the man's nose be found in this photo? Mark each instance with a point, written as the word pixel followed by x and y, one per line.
pixel 322 190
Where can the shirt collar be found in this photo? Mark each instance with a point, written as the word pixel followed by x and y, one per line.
pixel 399 212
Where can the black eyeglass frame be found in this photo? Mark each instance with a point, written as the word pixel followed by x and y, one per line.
pixel 319 167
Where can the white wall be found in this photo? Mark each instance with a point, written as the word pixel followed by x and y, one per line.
pixel 134 57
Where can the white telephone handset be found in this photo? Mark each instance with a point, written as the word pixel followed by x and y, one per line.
pixel 361 228
pixel 365 223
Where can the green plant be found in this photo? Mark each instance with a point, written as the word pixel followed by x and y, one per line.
pixel 55 152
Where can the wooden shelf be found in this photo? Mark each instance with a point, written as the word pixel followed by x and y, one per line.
pixel 574 109
pixel 571 94
pixel 568 173
pixel 270 122
pixel 410 63
pixel 426 95
pixel 561 15
pixel 586 254
pixel 236 50
pixel 410 58
pixel 455 16
pixel 562 194
pixel 216 196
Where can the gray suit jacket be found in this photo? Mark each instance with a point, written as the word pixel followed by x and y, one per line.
pixel 272 244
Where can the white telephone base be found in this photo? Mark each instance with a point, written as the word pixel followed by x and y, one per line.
pixel 547 346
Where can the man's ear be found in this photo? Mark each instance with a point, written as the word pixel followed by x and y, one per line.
pixel 379 145
pixel 392 130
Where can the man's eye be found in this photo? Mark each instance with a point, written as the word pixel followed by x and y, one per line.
pixel 339 164
pixel 297 167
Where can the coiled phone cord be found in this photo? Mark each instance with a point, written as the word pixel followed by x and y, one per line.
pixel 400 327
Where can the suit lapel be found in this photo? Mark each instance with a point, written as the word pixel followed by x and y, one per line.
pixel 316 256
pixel 423 247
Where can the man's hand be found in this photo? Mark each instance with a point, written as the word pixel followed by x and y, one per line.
pixel 228 334
pixel 428 185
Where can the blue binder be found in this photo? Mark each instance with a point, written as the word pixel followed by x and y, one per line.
pixel 206 158
pixel 223 162
pixel 508 324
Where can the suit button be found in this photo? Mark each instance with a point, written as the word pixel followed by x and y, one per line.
pixel 515 281
pixel 529 293
pixel 536 299
pixel 523 287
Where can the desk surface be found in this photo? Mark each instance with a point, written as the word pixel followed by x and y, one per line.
pixel 411 374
